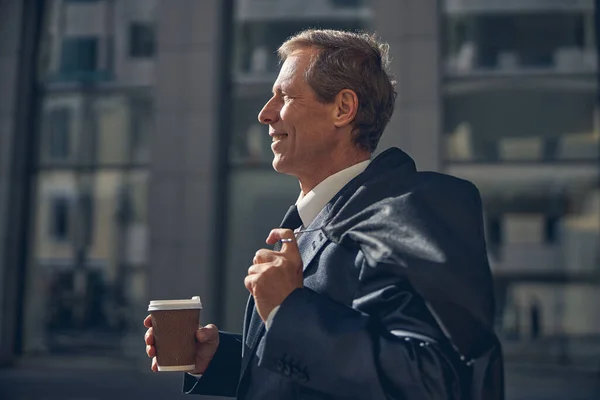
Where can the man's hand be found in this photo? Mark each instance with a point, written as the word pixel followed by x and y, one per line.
pixel 274 275
pixel 207 341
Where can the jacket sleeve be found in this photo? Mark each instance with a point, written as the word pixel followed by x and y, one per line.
pixel 385 346
pixel 222 375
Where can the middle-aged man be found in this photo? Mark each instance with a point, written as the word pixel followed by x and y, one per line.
pixel 379 285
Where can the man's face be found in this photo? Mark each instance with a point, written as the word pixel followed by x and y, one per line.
pixel 301 127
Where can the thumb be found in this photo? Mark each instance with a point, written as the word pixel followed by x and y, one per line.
pixel 207 334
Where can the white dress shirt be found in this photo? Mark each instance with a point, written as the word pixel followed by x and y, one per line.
pixel 310 204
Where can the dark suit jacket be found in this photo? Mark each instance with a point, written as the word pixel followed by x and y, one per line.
pixel 397 300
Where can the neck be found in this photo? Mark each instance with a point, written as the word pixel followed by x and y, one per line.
pixel 335 163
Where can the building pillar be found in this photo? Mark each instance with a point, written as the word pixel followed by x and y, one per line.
pixel 183 171
pixel 411 27
pixel 19 25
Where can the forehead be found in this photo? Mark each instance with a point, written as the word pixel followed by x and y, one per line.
pixel 293 68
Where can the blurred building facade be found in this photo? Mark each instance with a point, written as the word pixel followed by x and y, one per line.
pixel 132 165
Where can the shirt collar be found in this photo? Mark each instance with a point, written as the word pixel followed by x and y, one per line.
pixel 311 204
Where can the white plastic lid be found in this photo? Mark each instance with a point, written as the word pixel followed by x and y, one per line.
pixel 159 305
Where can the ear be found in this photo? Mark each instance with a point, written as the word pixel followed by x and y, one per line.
pixel 346 107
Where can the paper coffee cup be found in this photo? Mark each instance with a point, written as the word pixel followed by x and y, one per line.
pixel 174 323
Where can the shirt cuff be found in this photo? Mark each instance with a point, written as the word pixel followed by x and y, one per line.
pixel 269 320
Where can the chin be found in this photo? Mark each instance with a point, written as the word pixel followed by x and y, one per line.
pixel 281 166
pixel 278 165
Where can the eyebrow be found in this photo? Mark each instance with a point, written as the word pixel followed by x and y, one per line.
pixel 282 87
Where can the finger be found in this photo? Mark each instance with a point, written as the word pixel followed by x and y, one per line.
pixel 208 334
pixel 148 321
pixel 208 337
pixel 263 256
pixel 250 282
pixel 149 336
pixel 258 268
pixel 151 351
pixel 289 243
pixel 277 234
pixel 154 365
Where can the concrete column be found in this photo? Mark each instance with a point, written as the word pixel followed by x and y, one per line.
pixel 18 31
pixel 183 184
pixel 411 27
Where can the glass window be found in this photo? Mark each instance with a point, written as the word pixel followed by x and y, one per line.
pixel 59 122
pixel 142 126
pixel 90 241
pixel 522 121
pixel 89 231
pixel 59 218
pixel 62 141
pixel 79 55
pixel 142 40
pixel 520 85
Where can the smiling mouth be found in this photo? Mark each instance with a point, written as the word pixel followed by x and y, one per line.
pixel 279 136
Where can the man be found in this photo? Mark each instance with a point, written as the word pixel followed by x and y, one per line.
pixel 381 288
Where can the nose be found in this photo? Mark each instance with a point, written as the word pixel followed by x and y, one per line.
pixel 269 113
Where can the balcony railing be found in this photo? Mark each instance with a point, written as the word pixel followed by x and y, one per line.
pixel 264 10
pixel 503 6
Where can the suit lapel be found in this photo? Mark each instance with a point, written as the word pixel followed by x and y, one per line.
pixel 312 239
pixel 253 330
pixel 247 321
pixel 309 244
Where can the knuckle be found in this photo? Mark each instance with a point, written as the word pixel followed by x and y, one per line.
pixel 249 282
pixel 278 262
pixel 259 254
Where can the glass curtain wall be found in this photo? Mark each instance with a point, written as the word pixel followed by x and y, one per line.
pixel 89 235
pixel 258 196
pixel 521 120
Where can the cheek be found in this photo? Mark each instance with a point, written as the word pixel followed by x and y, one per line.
pixel 286 114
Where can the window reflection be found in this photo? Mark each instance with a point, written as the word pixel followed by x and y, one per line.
pixel 91 128
pixel 522 121
pixel 90 238
pixel 86 270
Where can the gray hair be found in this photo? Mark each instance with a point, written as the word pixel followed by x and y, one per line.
pixel 355 61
